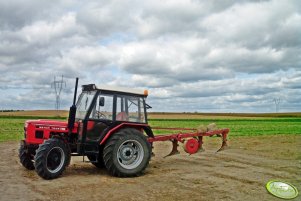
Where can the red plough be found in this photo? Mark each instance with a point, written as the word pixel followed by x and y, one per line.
pixel 193 140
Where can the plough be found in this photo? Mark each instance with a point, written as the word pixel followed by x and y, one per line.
pixel 192 141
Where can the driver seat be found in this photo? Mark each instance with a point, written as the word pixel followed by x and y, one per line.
pixel 122 116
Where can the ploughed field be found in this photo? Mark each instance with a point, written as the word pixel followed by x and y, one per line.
pixel 262 148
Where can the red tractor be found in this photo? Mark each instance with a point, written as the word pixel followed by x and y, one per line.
pixel 108 126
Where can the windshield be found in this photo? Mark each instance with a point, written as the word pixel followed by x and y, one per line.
pixel 84 103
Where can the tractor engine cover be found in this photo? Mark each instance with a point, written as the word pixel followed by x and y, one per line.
pixel 191 146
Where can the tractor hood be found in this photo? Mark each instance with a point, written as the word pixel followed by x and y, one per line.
pixel 50 124
pixel 36 131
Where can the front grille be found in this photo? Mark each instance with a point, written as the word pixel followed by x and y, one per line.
pixel 40 134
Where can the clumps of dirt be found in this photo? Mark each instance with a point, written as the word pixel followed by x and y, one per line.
pixel 203 128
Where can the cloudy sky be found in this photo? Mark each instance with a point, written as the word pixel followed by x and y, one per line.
pixel 197 55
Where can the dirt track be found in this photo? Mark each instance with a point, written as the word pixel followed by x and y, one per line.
pixel 239 173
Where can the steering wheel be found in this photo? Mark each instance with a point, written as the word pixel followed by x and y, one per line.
pixel 100 115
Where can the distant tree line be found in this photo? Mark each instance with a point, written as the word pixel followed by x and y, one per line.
pixel 11 110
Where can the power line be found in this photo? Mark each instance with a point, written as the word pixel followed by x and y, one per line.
pixel 58 86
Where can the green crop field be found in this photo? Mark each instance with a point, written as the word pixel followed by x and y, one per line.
pixel 239 127
pixel 11 128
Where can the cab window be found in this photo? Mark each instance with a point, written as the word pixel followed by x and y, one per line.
pixel 130 109
pixel 103 108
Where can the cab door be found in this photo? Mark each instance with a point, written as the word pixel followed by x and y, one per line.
pixel 100 118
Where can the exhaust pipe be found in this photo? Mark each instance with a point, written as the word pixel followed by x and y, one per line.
pixel 72 111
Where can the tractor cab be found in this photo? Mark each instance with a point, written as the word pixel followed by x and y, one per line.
pixel 100 109
pixel 111 105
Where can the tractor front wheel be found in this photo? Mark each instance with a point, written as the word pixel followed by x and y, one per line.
pixel 127 153
pixel 25 157
pixel 51 158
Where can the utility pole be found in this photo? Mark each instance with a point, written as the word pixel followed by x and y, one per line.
pixel 58 86
pixel 277 102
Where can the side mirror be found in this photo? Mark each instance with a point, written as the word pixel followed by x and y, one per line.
pixel 101 101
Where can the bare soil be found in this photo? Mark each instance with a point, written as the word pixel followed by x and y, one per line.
pixel 238 173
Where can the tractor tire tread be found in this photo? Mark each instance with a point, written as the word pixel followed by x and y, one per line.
pixel 108 152
pixel 26 158
pixel 41 154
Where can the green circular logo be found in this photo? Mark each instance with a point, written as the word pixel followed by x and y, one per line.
pixel 282 189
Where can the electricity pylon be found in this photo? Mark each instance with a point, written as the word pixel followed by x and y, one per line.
pixel 58 86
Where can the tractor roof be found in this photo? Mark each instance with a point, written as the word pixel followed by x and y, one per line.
pixel 114 89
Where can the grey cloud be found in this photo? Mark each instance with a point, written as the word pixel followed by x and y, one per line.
pixel 252 24
pixel 288 33
pixel 17 13
pixel 237 98
pixel 293 82
pixel 102 18
pixel 250 94
pixel 153 81
pixel 228 87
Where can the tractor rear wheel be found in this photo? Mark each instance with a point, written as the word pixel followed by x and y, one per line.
pixel 25 157
pixel 127 153
pixel 51 158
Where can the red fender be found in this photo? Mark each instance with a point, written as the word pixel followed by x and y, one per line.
pixel 113 130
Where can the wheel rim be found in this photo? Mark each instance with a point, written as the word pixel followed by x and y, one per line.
pixel 130 154
pixel 55 159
